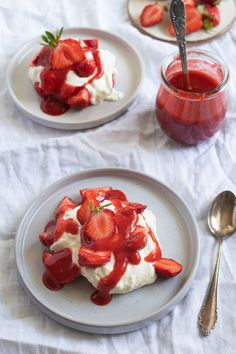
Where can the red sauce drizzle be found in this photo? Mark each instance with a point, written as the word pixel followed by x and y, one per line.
pixel 100 299
pixel 107 283
pixel 155 254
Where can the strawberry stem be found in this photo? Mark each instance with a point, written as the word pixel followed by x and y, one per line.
pixel 97 208
pixel 50 40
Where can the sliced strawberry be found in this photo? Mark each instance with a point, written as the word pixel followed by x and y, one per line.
pixel 39 90
pixel 139 208
pixel 87 242
pixel 67 90
pixel 151 15
pixel 43 58
pixel 90 258
pixel 100 225
pixel 116 204
pixel 49 81
pixel 126 219
pixel 84 211
pixel 123 224
pixel 137 239
pixel 134 257
pixel 47 237
pixel 73 49
pixel 66 204
pixel 50 282
pixel 210 15
pixel 93 193
pixel 59 60
pixel 113 244
pixel 129 213
pixel 167 267
pixel 65 225
pixel 91 43
pixel 67 53
pixel 193 21
pixel 80 100
pixel 51 105
pixel 59 265
pixel 115 194
pixel 46 257
pixel 85 68
pixel 191 3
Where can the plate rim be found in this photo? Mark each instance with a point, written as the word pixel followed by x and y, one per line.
pixel 84 125
pixel 173 41
pixel 100 328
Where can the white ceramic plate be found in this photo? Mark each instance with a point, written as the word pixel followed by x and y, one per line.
pixel 71 305
pixel 129 78
pixel 160 31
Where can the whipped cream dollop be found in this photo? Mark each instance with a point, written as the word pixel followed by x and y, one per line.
pixel 135 276
pixel 100 89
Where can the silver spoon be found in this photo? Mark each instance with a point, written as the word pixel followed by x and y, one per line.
pixel 222 224
pixel 177 14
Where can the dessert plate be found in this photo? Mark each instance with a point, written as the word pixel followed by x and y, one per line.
pixel 71 305
pixel 128 81
pixel 160 31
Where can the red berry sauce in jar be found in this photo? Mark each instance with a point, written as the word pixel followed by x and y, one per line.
pixel 193 115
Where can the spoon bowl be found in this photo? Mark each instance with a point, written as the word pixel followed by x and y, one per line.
pixel 222 215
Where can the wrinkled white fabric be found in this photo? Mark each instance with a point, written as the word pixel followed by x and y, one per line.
pixel 32 157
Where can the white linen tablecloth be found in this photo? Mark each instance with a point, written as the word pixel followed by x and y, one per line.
pixel 32 157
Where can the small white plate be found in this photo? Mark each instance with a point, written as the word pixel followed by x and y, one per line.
pixel 129 78
pixel 71 305
pixel 160 31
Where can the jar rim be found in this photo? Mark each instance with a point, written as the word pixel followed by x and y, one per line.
pixel 167 61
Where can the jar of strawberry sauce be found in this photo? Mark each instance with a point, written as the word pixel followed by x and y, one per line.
pixel 195 114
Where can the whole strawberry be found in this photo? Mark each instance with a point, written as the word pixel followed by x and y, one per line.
pixel 210 16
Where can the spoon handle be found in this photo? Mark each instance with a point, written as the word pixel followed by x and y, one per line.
pixel 177 14
pixel 208 314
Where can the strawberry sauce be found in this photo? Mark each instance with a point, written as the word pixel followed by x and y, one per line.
pixel 191 116
pixel 155 254
pixel 51 105
pixel 57 95
pixel 51 283
pixel 101 296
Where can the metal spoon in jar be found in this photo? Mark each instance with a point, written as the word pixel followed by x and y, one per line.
pixel 177 14
pixel 222 224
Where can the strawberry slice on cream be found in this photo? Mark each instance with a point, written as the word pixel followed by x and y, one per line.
pixel 107 239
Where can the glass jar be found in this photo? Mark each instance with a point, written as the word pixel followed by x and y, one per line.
pixel 193 115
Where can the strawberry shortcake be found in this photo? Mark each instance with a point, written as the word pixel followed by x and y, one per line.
pixel 107 239
pixel 72 73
